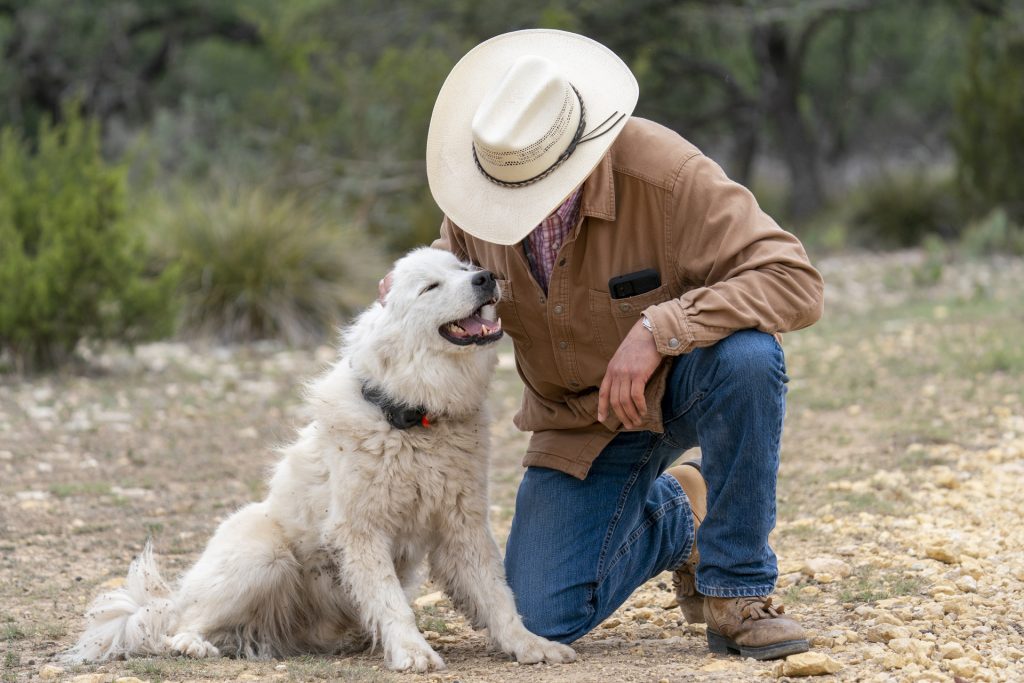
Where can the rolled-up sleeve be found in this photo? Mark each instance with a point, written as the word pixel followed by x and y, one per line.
pixel 744 271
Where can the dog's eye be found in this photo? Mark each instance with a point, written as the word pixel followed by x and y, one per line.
pixel 432 285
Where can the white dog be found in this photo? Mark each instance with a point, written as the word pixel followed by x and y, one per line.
pixel 391 469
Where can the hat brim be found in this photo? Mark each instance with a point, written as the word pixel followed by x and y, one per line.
pixel 505 215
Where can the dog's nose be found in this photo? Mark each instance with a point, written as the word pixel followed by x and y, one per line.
pixel 484 278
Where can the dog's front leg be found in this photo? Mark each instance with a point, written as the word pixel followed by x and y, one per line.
pixel 368 573
pixel 468 565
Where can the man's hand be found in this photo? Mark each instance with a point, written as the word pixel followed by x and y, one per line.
pixel 626 378
pixel 384 286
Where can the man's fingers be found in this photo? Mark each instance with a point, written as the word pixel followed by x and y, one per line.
pixel 625 408
pixel 602 399
pixel 637 394
pixel 383 287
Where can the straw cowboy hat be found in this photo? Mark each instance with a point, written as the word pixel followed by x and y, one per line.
pixel 519 124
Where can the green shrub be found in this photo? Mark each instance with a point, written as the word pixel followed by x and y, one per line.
pixel 70 267
pixel 253 266
pixel 901 211
pixel 994 234
pixel 988 132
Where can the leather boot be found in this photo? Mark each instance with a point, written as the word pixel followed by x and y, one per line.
pixel 752 627
pixel 684 578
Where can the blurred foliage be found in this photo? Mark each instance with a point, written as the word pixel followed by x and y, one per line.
pixel 899 211
pixel 994 233
pixel 252 266
pixel 70 268
pixel 989 132
pixel 321 107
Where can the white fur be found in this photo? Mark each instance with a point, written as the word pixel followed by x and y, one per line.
pixel 329 561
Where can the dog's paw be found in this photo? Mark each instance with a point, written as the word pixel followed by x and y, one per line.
pixel 193 645
pixel 414 656
pixel 533 649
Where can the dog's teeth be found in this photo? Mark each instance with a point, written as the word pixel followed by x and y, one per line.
pixel 484 330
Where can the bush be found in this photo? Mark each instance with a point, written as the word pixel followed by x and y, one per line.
pixel 994 234
pixel 901 211
pixel 70 268
pixel 988 133
pixel 252 266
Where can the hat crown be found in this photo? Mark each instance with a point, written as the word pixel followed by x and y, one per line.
pixel 526 121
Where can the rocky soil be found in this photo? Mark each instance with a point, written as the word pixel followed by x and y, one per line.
pixel 899 536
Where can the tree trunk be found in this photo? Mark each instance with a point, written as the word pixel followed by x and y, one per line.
pixel 780 83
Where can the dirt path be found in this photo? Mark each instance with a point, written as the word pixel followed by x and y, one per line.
pixel 899 536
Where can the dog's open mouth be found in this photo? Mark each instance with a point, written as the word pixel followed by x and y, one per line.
pixel 483 327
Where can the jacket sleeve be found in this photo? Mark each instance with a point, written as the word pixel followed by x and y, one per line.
pixel 451 239
pixel 743 270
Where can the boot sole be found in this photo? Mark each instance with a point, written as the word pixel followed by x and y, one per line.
pixel 720 645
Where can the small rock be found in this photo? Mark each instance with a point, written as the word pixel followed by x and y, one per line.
pixel 883 633
pixel 952 650
pixel 920 650
pixel 945 478
pixel 91 678
pixel 669 603
pixel 787 580
pixel 810 591
pixel 967 584
pixel 50 672
pixel 128 679
pixel 429 600
pixel 942 553
pixel 962 666
pixel 808 664
pixel 894 660
pixel 611 623
pixel 826 565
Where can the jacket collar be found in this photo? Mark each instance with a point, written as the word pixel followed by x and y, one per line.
pixel 599 191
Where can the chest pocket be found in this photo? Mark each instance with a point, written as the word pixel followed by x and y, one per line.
pixel 613 318
pixel 511 322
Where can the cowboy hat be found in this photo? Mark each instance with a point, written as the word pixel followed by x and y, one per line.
pixel 519 124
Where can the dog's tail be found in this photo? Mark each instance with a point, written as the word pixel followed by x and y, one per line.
pixel 134 619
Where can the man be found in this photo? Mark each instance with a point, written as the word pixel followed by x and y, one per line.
pixel 644 292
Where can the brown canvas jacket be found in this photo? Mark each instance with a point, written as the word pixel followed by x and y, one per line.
pixel 654 201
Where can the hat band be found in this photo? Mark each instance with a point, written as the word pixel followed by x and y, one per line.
pixel 578 138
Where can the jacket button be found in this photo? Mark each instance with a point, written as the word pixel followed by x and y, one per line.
pixel 623 307
pixel 563 345
pixel 673 343
pixel 559 309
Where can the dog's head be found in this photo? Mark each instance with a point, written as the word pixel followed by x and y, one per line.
pixel 447 304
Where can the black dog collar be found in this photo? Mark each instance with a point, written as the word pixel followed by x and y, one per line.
pixel 398 415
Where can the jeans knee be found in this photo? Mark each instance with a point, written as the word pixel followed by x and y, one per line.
pixel 556 619
pixel 751 356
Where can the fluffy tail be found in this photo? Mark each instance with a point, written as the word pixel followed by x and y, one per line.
pixel 134 619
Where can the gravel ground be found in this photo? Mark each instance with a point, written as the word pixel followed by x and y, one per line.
pixel 899 532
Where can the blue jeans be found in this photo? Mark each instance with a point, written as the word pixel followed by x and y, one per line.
pixel 578 549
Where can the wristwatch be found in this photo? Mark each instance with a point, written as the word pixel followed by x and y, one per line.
pixel 646 322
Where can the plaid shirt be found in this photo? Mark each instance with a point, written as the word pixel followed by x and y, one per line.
pixel 543 243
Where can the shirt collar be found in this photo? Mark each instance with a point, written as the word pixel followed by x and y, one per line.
pixel 599 191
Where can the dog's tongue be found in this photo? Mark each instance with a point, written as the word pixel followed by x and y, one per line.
pixel 474 325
